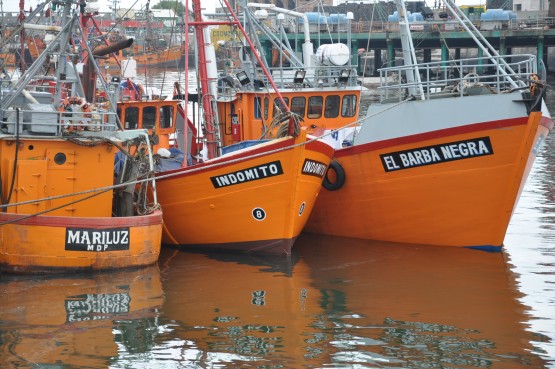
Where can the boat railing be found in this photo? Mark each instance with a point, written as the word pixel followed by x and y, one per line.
pixel 460 77
pixel 291 77
pixel 44 119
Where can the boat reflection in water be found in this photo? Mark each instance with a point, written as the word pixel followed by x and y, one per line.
pixel 335 303
pixel 349 302
pixel 82 320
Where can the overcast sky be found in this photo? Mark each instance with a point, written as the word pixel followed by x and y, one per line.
pixel 13 5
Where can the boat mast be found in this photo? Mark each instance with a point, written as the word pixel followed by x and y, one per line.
pixel 207 99
pixel 22 36
pixel 62 71
pixel 413 75
pixel 208 109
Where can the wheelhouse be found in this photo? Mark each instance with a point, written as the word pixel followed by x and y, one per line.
pixel 157 116
pixel 319 110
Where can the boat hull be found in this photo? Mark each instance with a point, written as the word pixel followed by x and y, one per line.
pixel 255 200
pixel 170 57
pixel 47 244
pixel 455 185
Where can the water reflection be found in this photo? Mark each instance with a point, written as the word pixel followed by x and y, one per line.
pixel 337 303
pixel 422 307
pixel 530 244
pixel 347 303
pixel 81 321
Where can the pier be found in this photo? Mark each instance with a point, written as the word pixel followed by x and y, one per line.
pixel 380 40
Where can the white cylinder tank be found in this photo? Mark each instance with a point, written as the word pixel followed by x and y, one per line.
pixel 333 54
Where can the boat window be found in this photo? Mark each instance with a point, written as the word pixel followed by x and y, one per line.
pixel 298 105
pixel 332 106
pixel 257 108
pixel 166 116
pixel 266 105
pixel 131 118
pixel 349 106
pixel 278 106
pixel 149 116
pixel 315 104
pixel 118 111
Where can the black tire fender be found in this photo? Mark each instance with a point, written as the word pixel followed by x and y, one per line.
pixel 339 177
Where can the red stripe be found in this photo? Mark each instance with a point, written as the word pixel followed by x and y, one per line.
pixel 243 156
pixel 85 222
pixel 469 128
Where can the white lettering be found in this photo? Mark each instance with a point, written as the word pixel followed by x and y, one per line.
pixel 96 237
pixel 85 238
pixel 463 149
pixel 412 159
pixel 390 162
pixel 454 151
pixel 418 157
pixel 72 237
pixel 446 152
pixel 435 155
pixel 250 174
pixel 273 169
pixel 483 147
pixel 125 238
pixel 472 148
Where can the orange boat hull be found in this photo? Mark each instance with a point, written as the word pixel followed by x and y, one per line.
pixel 59 244
pixel 264 211
pixel 164 58
pixel 453 203
pixel 67 232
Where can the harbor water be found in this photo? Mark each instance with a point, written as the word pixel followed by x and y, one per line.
pixel 335 303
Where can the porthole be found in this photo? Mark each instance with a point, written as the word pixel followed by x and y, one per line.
pixel 60 158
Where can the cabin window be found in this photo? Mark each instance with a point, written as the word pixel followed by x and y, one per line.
pixel 298 105
pixel 349 106
pixel 166 116
pixel 278 106
pixel 266 105
pixel 131 118
pixel 257 108
pixel 332 106
pixel 149 117
pixel 315 104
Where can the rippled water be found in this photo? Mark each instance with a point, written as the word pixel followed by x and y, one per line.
pixel 336 303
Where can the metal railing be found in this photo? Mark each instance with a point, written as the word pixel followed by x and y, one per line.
pixel 291 77
pixel 459 77
pixel 58 123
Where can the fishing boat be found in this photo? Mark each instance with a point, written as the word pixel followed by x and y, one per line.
pixel 73 182
pixel 443 157
pixel 321 87
pixel 150 49
pixel 430 163
pixel 253 197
